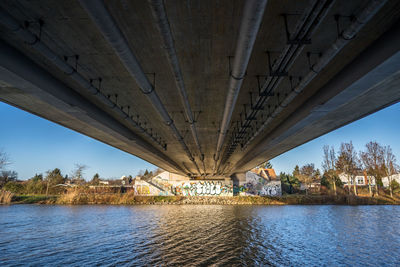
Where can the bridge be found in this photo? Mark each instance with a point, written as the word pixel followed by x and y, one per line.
pixel 201 88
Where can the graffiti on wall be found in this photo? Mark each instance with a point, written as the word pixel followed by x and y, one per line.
pixel 202 188
pixel 258 186
pixel 142 190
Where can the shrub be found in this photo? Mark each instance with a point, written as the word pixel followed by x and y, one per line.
pixel 395 186
pixel 14 187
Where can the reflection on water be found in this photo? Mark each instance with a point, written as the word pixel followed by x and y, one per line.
pixel 200 235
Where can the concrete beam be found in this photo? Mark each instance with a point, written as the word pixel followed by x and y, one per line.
pixel 21 75
pixel 375 69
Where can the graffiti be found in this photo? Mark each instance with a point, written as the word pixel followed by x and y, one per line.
pixel 204 188
pixel 142 190
pixel 254 185
pixel 258 186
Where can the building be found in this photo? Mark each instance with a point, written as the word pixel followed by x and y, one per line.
pixel 394 177
pixel 361 179
pixel 259 182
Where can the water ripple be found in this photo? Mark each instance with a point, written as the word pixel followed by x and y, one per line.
pixel 199 235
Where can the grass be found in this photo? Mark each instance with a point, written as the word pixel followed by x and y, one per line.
pixel 34 199
pixel 82 197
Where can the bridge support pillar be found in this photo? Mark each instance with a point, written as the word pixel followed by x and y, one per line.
pixel 238 179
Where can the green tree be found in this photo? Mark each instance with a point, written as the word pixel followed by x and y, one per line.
pixel 35 185
pixel 53 178
pixel 289 182
pixel 7 176
pixel 14 187
pixel 395 186
pixel 96 179
pixel 265 165
pixel 37 178
pixel 296 171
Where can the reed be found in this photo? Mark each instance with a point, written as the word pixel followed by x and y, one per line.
pixel 5 197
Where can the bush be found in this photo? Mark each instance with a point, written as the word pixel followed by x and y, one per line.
pixel 35 187
pixel 14 187
pixel 395 186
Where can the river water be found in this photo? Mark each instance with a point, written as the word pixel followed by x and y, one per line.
pixel 173 235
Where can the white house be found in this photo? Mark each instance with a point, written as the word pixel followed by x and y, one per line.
pixel 395 177
pixel 360 179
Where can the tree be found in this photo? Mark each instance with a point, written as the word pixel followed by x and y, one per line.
pixel 37 178
pixel 8 176
pixel 372 160
pixel 3 159
pixel 296 171
pixel 329 166
pixel 265 165
pixel 348 163
pixel 307 174
pixel 52 179
pixel 77 174
pixel 289 182
pixel 96 179
pixel 389 165
pixel 36 185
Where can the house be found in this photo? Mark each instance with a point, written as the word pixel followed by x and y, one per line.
pixel 268 174
pixel 361 179
pixel 394 177
pixel 260 182
pixel 313 187
pixel 104 182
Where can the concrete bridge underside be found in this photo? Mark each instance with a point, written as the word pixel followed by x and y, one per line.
pixel 206 88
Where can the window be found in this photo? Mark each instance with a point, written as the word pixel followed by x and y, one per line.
pixel 360 180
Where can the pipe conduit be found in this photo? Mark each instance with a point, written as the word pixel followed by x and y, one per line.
pixel 111 32
pixel 304 28
pixel 160 15
pixel 31 39
pixel 250 24
pixel 347 35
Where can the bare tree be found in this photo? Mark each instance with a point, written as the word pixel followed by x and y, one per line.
pixel 3 159
pixel 329 165
pixel 78 172
pixel 389 165
pixel 348 163
pixel 372 160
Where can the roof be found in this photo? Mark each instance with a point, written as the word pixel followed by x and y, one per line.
pixel 268 174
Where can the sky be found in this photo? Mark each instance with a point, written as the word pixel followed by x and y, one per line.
pixel 35 145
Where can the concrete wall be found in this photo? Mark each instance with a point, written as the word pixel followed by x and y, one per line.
pixel 251 184
pixel 143 188
pixel 169 176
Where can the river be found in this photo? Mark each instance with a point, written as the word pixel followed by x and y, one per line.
pixel 185 235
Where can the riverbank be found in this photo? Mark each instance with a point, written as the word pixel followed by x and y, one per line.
pixel 130 199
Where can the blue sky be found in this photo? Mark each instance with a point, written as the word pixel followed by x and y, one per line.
pixel 36 145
